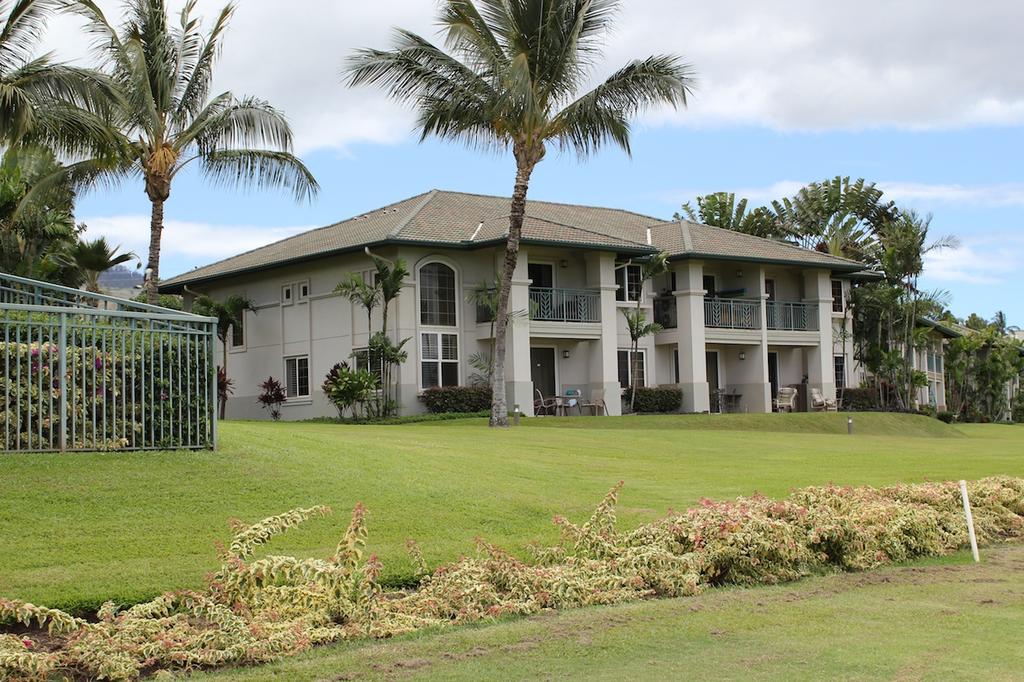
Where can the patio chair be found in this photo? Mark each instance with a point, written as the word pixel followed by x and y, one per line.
pixel 819 403
pixel 573 398
pixel 786 400
pixel 544 406
pixel 596 402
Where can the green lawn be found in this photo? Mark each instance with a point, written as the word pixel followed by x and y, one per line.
pixel 78 529
pixel 937 620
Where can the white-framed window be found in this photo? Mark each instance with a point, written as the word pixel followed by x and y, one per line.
pixel 626 367
pixel 438 296
pixel 628 281
pixel 302 293
pixel 361 357
pixel 236 338
pixel 296 376
pixel 286 294
pixel 838 304
pixel 439 359
pixel 839 367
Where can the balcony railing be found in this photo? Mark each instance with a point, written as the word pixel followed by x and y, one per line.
pixel 665 312
pixel 565 305
pixel 798 317
pixel 732 313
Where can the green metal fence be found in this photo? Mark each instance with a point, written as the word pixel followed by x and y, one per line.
pixel 83 371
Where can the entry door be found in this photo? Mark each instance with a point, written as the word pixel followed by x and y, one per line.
pixel 542 275
pixel 542 370
pixel 713 380
pixel 773 373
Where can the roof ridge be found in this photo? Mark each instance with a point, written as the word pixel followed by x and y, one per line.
pixel 555 203
pixel 427 198
pixel 581 229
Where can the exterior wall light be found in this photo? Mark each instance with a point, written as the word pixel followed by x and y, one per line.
pixel 565 354
pixel 743 356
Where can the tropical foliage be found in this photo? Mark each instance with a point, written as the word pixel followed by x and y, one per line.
pixel 511 81
pixel 258 608
pixel 272 396
pixel 91 258
pixel 166 120
pixel 382 356
pixel 230 314
pixel 37 223
pixel 44 102
pixel 984 371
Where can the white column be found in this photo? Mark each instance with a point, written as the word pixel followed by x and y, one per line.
pixel 518 376
pixel 693 370
pixel 820 365
pixel 604 367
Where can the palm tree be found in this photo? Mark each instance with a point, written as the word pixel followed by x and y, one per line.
pixel 390 278
pixel 636 320
pixel 229 313
pixel 512 82
pixel 44 102
pixel 168 121
pixel 36 215
pixel 92 258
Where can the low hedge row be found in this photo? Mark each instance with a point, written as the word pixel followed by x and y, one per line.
pixel 260 608
pixel 657 399
pixel 457 399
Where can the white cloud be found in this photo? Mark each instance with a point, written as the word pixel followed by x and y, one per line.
pixel 986 260
pixel 1004 194
pixel 796 65
pixel 187 241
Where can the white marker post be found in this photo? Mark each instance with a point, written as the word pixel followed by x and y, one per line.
pixel 970 520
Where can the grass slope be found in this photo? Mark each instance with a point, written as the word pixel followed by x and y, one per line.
pixel 937 620
pixel 78 529
pixel 868 424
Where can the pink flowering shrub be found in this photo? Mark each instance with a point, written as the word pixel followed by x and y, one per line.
pixel 260 608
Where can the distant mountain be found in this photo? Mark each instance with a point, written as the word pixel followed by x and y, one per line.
pixel 121 281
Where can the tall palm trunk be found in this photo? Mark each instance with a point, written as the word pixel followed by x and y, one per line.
pixel 156 228
pixel 499 403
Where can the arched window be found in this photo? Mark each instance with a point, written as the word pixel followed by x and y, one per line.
pixel 437 295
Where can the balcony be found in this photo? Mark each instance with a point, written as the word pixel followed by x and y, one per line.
pixel 565 305
pixel 732 313
pixel 792 317
pixel 665 312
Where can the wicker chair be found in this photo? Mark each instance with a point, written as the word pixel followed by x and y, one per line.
pixel 786 400
pixel 819 403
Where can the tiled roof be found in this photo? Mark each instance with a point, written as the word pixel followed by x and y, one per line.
pixel 461 220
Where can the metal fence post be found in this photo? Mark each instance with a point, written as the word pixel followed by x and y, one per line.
pixel 62 350
pixel 214 411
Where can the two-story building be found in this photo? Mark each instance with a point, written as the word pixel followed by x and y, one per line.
pixel 742 315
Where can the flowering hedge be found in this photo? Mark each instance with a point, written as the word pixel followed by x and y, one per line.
pixel 257 609
pixel 125 398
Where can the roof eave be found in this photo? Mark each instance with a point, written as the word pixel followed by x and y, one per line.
pixel 178 287
pixel 838 267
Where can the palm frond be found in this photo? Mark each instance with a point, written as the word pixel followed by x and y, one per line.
pixel 260 169
pixel 198 73
pixel 602 114
pixel 227 123
pixel 22 30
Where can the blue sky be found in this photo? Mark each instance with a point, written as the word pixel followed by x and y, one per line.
pixel 915 96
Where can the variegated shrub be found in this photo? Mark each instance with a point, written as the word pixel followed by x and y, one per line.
pixel 259 608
